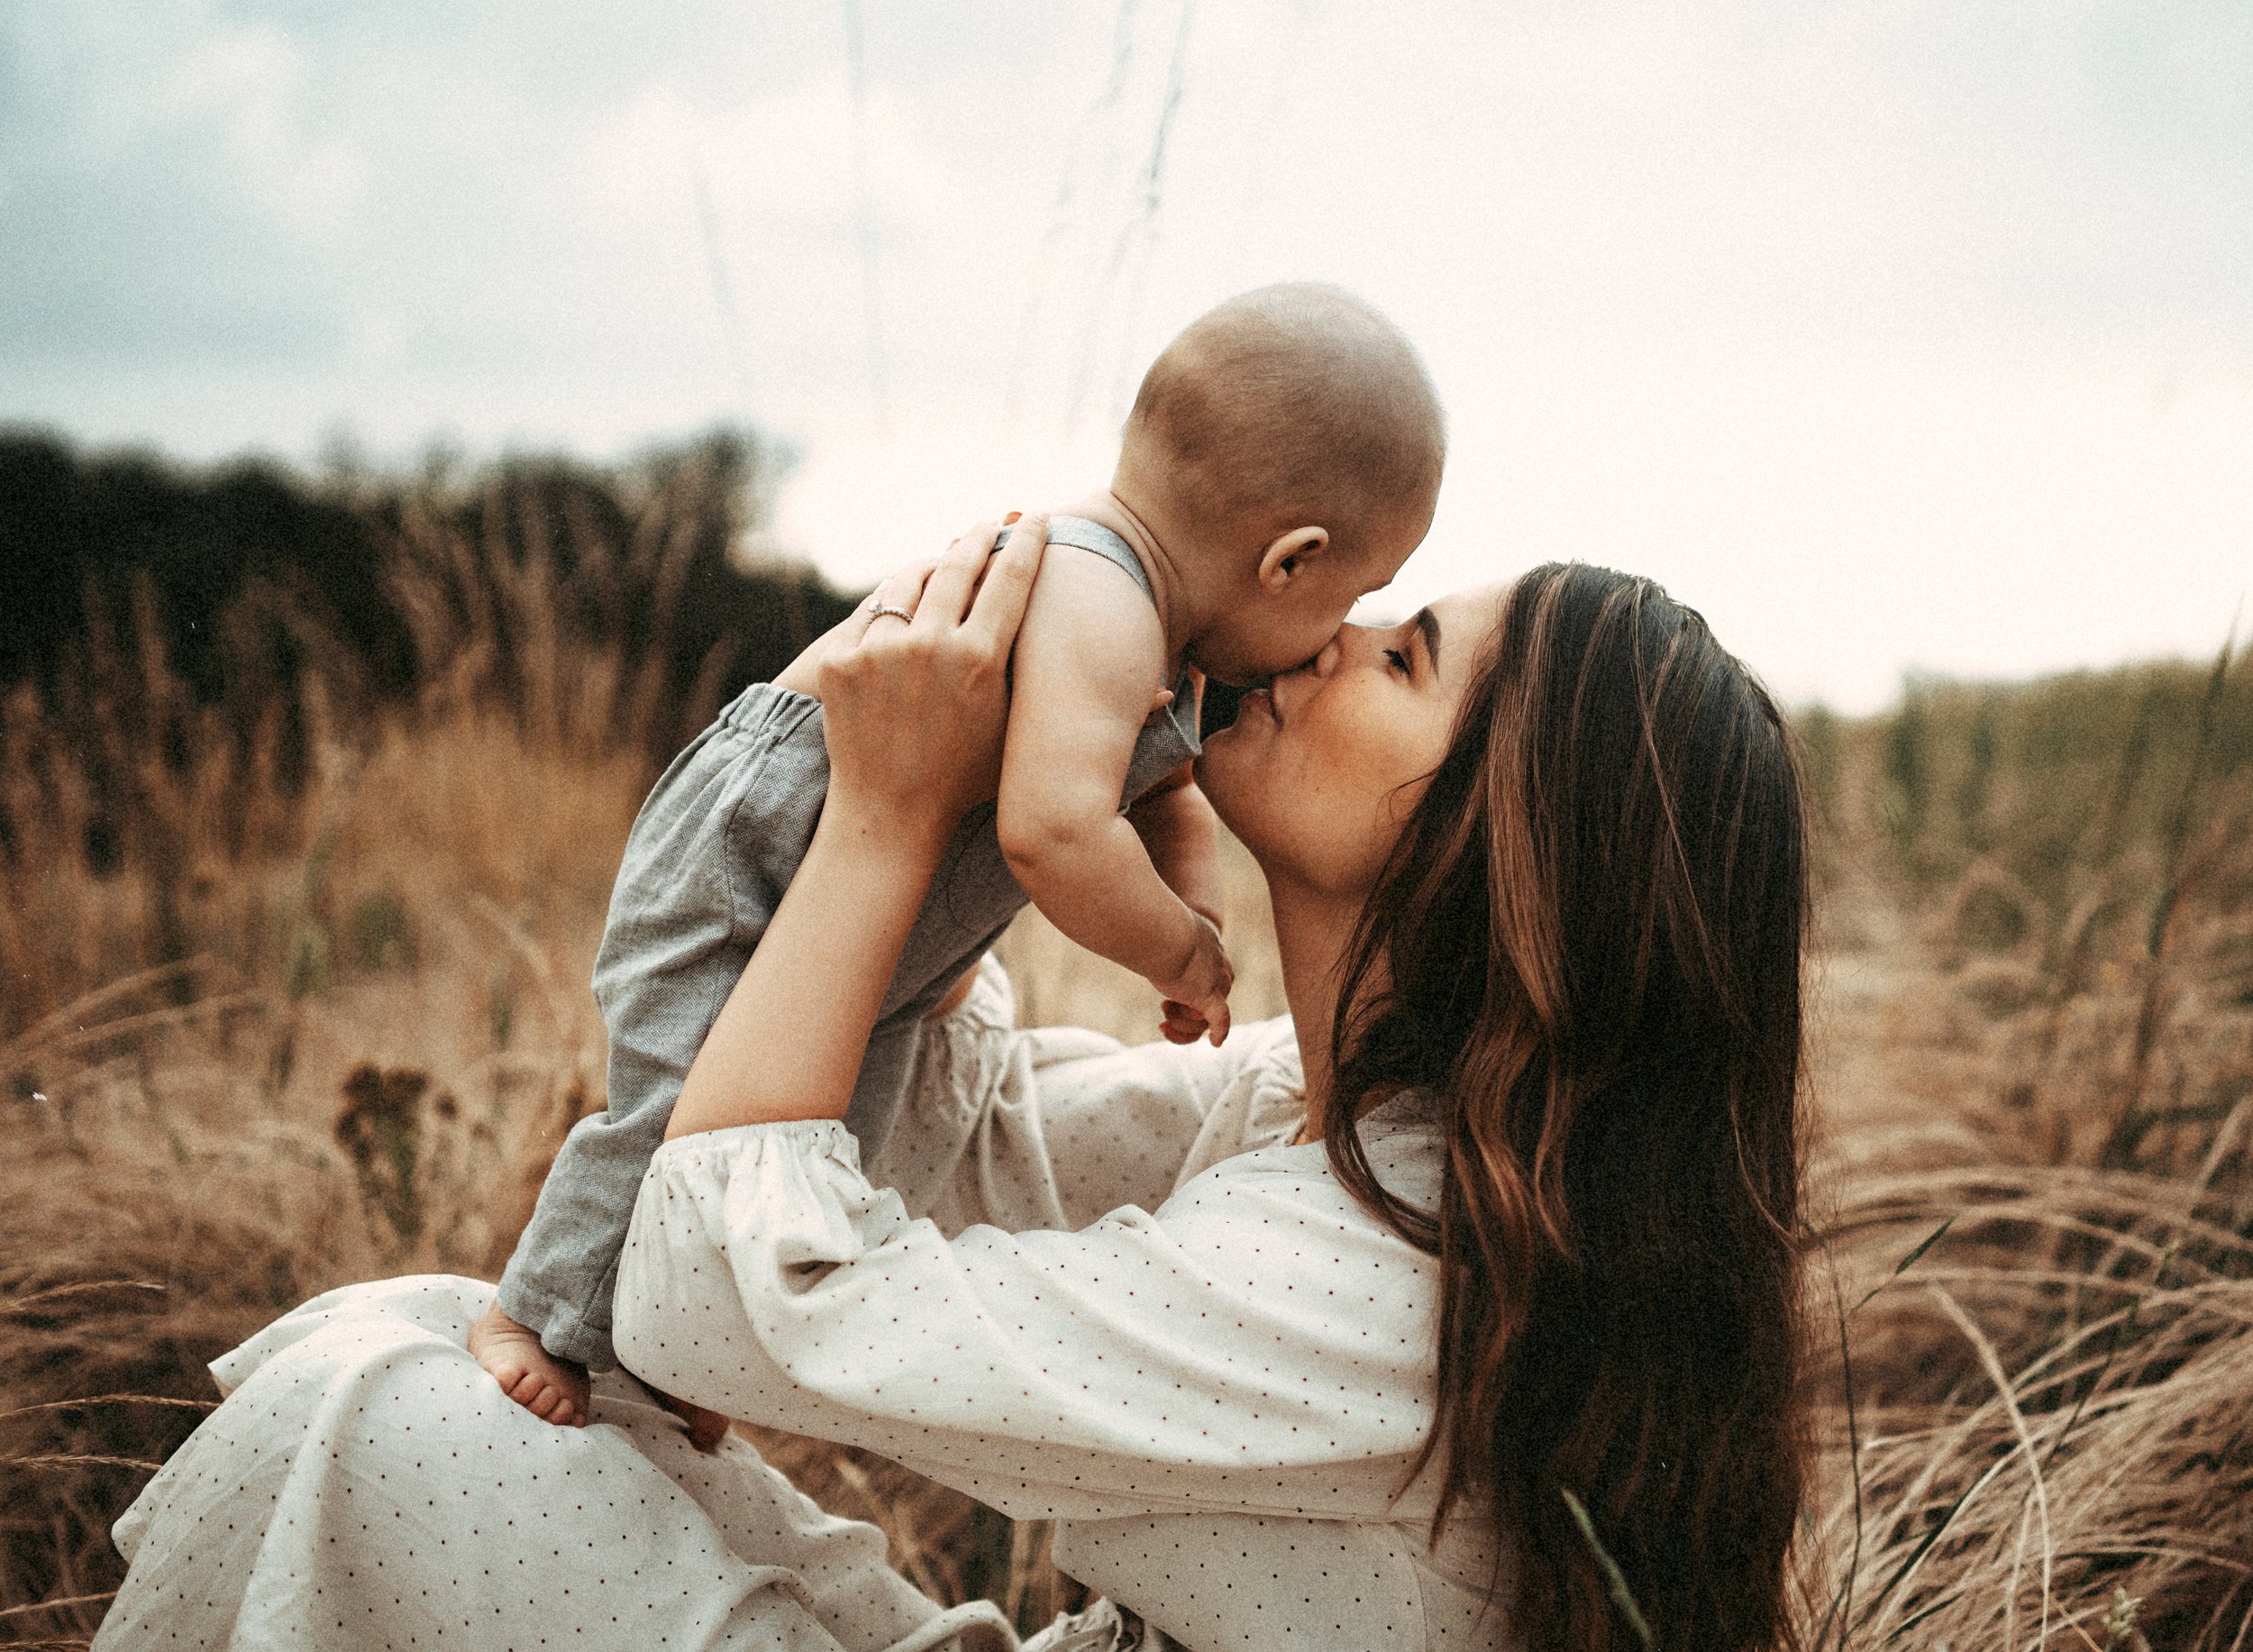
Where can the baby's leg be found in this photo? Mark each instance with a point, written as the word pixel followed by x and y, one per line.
pixel 708 855
pixel 553 1390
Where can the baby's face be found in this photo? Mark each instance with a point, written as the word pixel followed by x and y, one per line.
pixel 1274 630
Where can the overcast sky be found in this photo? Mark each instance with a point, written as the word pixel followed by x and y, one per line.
pixel 1915 334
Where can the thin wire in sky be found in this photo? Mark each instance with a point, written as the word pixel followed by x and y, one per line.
pixel 1257 181
pixel 723 289
pixel 1099 117
pixel 1140 223
pixel 864 214
pixel 1154 186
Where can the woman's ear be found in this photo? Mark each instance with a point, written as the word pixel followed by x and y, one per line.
pixel 1289 554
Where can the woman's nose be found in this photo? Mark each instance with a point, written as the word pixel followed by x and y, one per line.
pixel 1333 651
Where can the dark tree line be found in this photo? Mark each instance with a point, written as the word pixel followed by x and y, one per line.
pixel 246 576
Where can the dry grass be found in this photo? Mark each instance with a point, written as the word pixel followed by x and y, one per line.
pixel 2047 1413
pixel 2035 1091
pixel 309 1035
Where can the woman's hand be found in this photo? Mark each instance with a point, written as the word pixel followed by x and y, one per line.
pixel 913 710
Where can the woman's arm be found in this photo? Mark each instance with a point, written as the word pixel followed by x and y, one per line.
pixel 912 715
pixel 789 1040
pixel 1259 1344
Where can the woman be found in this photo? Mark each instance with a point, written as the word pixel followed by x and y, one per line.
pixel 1515 1261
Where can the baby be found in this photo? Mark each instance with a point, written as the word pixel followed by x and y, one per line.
pixel 1281 461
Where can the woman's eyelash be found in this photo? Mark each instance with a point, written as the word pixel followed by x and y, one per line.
pixel 1397 659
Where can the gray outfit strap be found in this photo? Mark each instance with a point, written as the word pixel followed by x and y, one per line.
pixel 705 865
pixel 1170 738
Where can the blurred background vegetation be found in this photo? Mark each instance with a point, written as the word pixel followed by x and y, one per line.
pixel 181 650
pixel 311 789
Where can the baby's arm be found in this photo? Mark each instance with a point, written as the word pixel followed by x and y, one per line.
pixel 1088 660
pixel 1182 833
pixel 1178 828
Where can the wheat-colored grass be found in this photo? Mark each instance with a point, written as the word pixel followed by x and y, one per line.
pixel 312 1034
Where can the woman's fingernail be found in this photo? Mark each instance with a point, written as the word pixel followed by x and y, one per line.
pixel 1010 519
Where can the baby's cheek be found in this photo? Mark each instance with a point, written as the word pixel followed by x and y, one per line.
pixel 1288 649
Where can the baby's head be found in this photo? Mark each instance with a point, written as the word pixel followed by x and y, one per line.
pixel 1286 450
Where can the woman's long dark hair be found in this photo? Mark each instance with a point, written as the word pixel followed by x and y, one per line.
pixel 1587 945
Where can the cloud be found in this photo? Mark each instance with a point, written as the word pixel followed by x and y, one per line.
pixel 176 220
pixel 1814 311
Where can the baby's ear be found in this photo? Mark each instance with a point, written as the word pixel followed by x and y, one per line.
pixel 1289 554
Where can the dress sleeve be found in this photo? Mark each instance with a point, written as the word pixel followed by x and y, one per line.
pixel 1258 1343
pixel 1049 1127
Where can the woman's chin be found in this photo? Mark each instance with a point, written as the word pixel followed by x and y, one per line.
pixel 1224 772
pixel 1229 756
pixel 1236 782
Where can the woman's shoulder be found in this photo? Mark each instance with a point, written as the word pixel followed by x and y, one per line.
pixel 1401 1138
pixel 1260 1058
pixel 1252 1092
pixel 1265 1052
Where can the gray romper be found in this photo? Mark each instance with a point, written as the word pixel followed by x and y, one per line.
pixel 710 853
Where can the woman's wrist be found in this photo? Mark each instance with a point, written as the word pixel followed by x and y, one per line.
pixel 884 835
pixel 815 983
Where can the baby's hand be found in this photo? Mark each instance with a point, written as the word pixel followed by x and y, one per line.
pixel 1197 999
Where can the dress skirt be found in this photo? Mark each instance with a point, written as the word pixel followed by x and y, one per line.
pixel 366 1485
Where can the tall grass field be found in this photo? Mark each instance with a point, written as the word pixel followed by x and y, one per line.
pixel 293 1000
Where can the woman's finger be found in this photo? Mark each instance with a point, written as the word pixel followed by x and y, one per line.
pixel 947 596
pixel 899 593
pixel 1007 586
pixel 903 589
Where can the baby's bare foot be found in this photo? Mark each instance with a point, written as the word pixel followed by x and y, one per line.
pixel 553 1390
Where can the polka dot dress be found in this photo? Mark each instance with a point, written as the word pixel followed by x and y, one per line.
pixel 1228 1336
pixel 1103 1288
pixel 366 1485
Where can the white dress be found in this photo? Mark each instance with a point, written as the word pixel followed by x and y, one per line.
pixel 1129 1305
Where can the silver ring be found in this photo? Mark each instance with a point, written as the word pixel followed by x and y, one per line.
pixel 886 608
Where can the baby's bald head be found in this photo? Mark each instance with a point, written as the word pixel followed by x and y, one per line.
pixel 1295 404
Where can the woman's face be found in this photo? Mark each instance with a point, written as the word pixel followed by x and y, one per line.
pixel 1320 768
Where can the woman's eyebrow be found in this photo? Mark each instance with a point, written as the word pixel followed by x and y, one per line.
pixel 1428 622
